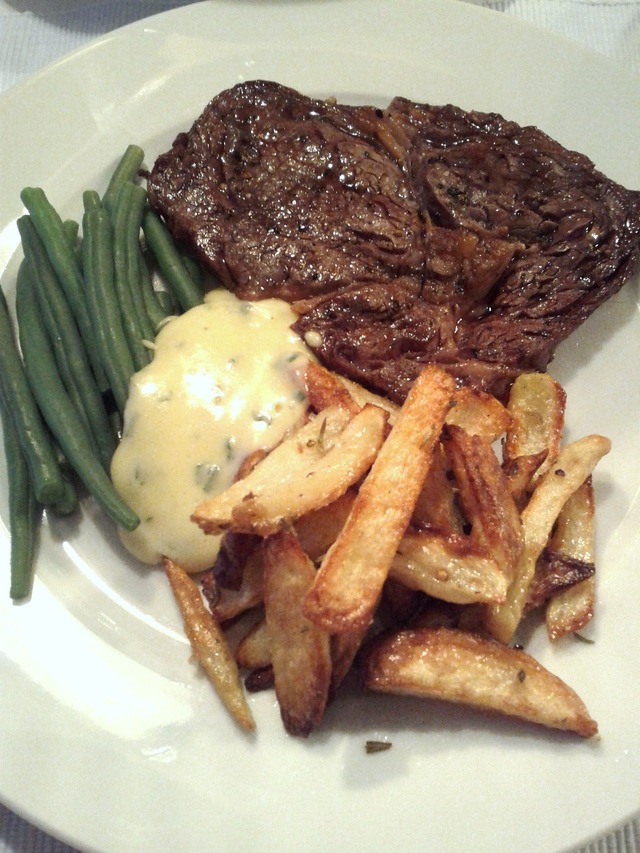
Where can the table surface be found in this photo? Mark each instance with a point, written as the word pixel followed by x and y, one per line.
pixel 34 33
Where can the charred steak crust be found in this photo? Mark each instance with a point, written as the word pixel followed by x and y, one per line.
pixel 402 236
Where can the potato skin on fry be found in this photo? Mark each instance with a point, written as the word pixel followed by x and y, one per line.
pixel 300 651
pixel 537 406
pixel 485 497
pixel 209 644
pixel 457 666
pixel 449 567
pixel 574 535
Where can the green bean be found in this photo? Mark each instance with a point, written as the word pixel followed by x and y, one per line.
pixel 23 509
pixel 66 264
pixel 127 216
pixel 38 448
pixel 68 503
pixel 125 171
pixel 57 410
pixel 71 229
pixel 167 302
pixel 155 309
pixel 91 200
pixel 176 276
pixel 69 350
pixel 104 309
pixel 193 268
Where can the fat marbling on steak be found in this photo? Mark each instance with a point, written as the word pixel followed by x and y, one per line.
pixel 403 235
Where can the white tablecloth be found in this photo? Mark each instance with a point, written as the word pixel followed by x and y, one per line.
pixel 36 32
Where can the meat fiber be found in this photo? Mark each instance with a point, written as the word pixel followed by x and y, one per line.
pixel 402 236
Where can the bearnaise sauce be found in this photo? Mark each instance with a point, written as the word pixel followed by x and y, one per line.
pixel 223 383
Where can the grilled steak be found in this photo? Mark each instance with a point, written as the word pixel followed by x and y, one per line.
pixel 402 236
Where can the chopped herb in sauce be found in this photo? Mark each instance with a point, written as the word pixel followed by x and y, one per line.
pixel 262 418
pixel 230 448
pixel 206 475
pixel 139 476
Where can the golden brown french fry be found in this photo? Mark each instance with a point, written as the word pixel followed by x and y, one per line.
pixel 324 389
pixel 520 473
pixel 209 644
pixel 307 470
pixel 573 608
pixel 486 498
pixel 254 648
pixel 437 505
pixel 572 467
pixel 364 397
pixel 574 530
pixel 319 528
pixel 459 667
pixel 300 651
pixel 536 405
pixel 450 567
pixel 479 413
pixel 555 573
pixel 351 576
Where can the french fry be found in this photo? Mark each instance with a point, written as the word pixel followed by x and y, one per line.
pixel 437 503
pixel 555 573
pixel 300 651
pixel 537 406
pixel 460 667
pixel 572 467
pixel 253 650
pixel 573 608
pixel 486 498
pixel 520 473
pixel 450 567
pixel 324 389
pixel 319 528
pixel 478 413
pixel 351 576
pixel 363 396
pixel 574 530
pixel 307 470
pixel 209 644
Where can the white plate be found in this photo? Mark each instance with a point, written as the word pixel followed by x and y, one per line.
pixel 108 738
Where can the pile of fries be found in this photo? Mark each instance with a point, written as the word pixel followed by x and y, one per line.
pixel 408 541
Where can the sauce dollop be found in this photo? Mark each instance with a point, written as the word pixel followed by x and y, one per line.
pixel 223 383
